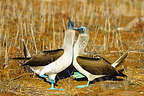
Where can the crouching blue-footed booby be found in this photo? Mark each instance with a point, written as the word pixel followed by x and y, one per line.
pixel 93 68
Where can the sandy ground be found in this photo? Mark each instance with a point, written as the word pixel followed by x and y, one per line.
pixel 47 18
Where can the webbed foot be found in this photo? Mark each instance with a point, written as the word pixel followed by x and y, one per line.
pixel 52 85
pixel 56 89
pixel 82 86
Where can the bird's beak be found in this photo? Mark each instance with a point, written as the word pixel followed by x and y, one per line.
pixel 78 29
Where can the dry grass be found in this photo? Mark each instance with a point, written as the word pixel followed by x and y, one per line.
pixel 42 22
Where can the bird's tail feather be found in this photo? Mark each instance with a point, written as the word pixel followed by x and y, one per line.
pixel 120 60
pixel 20 58
pixel 121 72
pixel 26 51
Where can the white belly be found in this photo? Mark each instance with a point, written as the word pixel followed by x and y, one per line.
pixel 59 65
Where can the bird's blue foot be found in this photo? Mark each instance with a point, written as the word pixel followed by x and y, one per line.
pixel 82 86
pixel 43 76
pixel 78 75
pixel 52 85
pixel 56 89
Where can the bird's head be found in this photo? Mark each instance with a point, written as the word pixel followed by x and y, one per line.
pixel 83 30
pixel 70 24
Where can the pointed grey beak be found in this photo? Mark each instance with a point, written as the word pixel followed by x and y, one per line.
pixel 80 30
pixel 76 29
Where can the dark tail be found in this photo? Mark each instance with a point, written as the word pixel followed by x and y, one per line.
pixel 121 73
pixel 20 58
pixel 119 61
pixel 26 51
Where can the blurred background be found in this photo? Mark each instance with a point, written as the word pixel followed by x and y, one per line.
pixel 115 27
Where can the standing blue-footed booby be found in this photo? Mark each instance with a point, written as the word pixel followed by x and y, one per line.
pixel 92 68
pixel 54 61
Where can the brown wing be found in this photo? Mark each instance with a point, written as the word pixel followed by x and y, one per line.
pixel 53 51
pixel 45 59
pixel 20 58
pixel 96 66
pixel 49 52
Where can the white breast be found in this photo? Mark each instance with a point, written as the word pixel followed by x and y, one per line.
pixel 59 65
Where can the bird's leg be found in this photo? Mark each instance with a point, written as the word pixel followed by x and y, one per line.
pixel 52 85
pixel 68 72
pixel 82 86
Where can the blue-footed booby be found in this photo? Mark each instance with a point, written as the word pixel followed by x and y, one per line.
pixel 54 61
pixel 93 68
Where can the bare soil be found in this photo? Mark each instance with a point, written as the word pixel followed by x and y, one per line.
pixel 42 23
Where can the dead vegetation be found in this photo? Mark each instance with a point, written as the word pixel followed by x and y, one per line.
pixel 115 26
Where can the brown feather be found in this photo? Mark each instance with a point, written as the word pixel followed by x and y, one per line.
pixel 97 66
pixel 45 58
